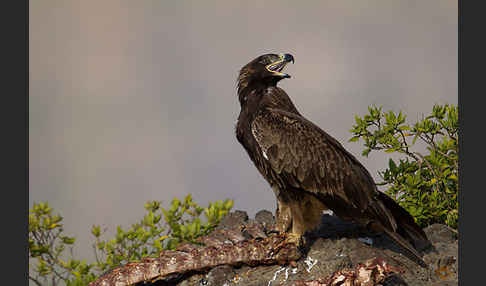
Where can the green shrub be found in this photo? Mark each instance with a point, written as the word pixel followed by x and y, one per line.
pixel 47 243
pixel 426 185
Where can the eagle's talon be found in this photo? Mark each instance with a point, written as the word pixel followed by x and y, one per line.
pixel 273 231
pixel 290 238
pixel 294 238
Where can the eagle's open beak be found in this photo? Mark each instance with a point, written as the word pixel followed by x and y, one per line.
pixel 277 67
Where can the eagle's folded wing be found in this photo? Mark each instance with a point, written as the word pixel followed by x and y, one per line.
pixel 310 159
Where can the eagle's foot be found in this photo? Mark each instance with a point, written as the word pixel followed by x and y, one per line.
pixel 293 238
pixel 279 228
pixel 290 238
pixel 272 231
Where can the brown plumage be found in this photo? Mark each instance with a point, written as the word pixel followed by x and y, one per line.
pixel 308 170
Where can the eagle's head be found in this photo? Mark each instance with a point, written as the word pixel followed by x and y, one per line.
pixel 266 70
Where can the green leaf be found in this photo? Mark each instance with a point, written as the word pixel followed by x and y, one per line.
pixel 68 240
pixel 96 230
pixel 354 139
pixel 392 165
pixel 366 152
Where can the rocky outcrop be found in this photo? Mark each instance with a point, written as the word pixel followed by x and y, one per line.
pixel 241 252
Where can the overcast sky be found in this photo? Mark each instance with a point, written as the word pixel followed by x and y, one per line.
pixel 133 101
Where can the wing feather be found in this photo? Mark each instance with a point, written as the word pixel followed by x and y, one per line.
pixel 304 154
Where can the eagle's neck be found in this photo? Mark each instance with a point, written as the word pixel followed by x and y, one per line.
pixel 250 98
pixel 263 95
pixel 249 92
pixel 250 102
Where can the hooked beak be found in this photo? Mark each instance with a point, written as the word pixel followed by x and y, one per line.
pixel 277 67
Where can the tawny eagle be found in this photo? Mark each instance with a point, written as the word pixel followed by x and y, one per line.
pixel 308 170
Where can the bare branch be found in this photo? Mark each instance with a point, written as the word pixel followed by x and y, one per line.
pixel 37 282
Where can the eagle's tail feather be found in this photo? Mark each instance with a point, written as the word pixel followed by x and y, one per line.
pixel 405 244
pixel 406 225
pixel 408 234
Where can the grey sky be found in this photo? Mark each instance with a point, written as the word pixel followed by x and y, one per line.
pixel 135 100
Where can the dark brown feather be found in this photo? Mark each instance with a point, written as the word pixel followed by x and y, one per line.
pixel 301 161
